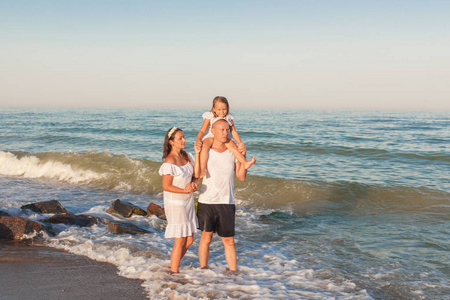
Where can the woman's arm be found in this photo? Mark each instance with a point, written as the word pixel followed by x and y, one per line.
pixel 168 187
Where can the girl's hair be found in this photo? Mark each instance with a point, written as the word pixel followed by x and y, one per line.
pixel 167 147
pixel 222 100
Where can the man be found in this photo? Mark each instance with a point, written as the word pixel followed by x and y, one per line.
pixel 216 209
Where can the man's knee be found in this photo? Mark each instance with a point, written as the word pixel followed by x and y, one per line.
pixel 228 241
pixel 206 237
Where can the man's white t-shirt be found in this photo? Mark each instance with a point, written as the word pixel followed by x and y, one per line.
pixel 218 183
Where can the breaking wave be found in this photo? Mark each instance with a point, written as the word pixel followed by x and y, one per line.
pixel 120 172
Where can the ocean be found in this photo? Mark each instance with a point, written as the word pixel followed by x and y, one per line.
pixel 339 205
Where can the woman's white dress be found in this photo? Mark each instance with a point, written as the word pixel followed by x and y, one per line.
pixel 179 208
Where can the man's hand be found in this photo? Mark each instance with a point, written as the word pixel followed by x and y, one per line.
pixel 197 147
pixel 198 143
pixel 242 148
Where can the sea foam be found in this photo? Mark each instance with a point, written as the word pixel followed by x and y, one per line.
pixel 33 167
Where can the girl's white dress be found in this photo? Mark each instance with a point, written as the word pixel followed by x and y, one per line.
pixel 179 208
pixel 210 116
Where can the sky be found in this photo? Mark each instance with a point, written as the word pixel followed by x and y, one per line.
pixel 387 55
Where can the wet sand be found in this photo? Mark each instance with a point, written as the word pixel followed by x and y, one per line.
pixel 39 272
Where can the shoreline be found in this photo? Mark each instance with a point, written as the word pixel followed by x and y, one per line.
pixel 41 272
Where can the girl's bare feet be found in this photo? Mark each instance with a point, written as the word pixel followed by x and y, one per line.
pixel 250 163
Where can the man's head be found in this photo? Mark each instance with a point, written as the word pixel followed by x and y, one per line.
pixel 220 130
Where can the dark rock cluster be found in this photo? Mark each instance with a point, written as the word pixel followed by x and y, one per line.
pixel 14 228
pixel 18 227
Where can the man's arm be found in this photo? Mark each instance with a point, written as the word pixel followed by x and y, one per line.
pixel 241 172
pixel 197 170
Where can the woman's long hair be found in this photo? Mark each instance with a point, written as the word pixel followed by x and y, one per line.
pixel 167 147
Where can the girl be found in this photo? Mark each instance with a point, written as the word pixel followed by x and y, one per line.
pixel 178 181
pixel 220 109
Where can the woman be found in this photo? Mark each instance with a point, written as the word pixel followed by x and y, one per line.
pixel 179 183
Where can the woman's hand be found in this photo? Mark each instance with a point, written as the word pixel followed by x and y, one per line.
pixel 190 187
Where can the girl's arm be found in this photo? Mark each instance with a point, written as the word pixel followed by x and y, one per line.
pixel 168 187
pixel 202 131
pixel 235 134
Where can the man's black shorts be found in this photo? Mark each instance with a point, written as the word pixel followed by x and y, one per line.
pixel 217 218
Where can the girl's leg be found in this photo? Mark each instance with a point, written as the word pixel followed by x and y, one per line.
pixel 231 145
pixel 204 154
pixel 177 254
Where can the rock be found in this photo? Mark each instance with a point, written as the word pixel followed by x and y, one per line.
pixel 4 214
pixel 70 219
pixel 46 207
pixel 16 227
pixel 125 209
pixel 121 228
pixel 139 211
pixel 155 209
